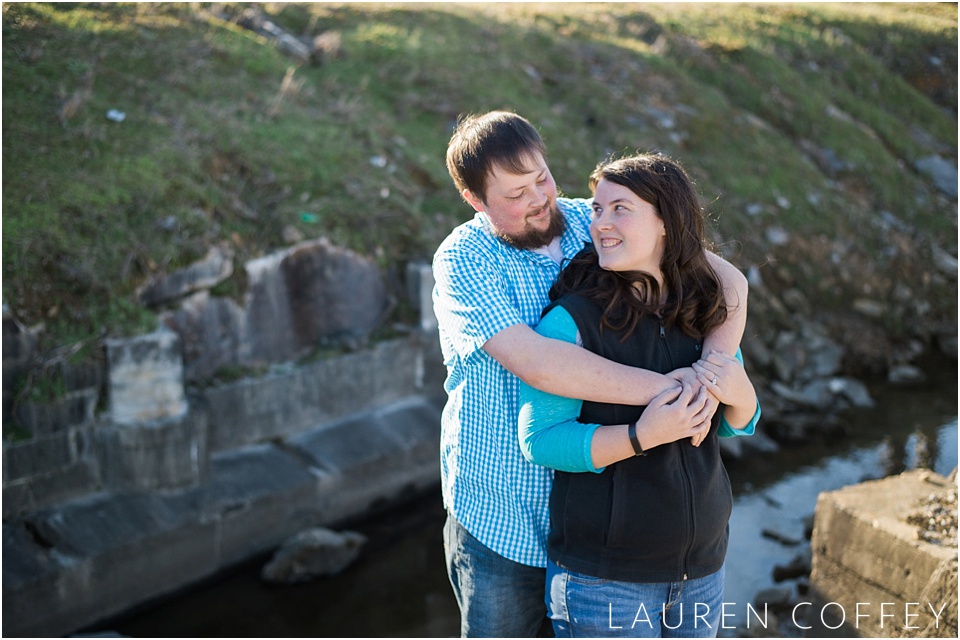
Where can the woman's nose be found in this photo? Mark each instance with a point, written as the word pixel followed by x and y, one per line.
pixel 601 221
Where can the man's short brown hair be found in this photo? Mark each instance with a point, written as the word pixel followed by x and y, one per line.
pixel 480 142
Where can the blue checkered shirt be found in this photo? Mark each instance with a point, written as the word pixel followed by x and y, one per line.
pixel 483 286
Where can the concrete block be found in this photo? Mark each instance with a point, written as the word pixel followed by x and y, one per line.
pixel 145 377
pixel 258 496
pixel 97 557
pixel 420 284
pixel 38 455
pixel 373 458
pixel 17 499
pixel 865 554
pixel 74 409
pixel 29 569
pixel 62 484
pixel 283 405
pixel 161 454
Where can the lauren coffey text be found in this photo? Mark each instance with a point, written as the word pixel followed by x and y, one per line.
pixel 833 615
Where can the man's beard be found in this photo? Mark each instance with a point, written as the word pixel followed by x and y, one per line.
pixel 535 238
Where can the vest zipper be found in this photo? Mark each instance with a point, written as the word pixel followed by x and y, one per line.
pixel 683 468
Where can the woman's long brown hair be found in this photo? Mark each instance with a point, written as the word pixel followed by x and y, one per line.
pixel 693 294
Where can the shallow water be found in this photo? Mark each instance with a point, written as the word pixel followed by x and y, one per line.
pixel 399 587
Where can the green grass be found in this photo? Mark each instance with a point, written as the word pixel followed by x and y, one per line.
pixel 228 140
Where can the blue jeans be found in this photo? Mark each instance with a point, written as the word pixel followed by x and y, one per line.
pixel 584 606
pixel 498 598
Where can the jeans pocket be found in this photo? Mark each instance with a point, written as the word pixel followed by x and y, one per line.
pixel 584 580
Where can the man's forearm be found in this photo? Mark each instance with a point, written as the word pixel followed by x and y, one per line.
pixel 567 370
pixel 727 337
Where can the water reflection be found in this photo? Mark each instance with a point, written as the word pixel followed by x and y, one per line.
pixel 399 587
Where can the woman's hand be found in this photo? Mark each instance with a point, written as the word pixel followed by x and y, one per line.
pixel 672 416
pixel 726 380
pixel 688 376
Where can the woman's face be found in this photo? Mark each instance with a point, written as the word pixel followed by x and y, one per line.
pixel 627 231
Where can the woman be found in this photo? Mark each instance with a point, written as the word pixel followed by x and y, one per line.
pixel 640 500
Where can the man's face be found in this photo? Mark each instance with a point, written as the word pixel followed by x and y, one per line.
pixel 522 207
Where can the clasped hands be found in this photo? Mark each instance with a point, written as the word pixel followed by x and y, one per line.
pixel 687 411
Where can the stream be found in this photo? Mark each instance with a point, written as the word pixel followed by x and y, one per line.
pixel 399 588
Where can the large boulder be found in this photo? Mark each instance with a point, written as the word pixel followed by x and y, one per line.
pixel 298 299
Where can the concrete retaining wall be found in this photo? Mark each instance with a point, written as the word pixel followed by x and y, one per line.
pixel 872 575
pixel 231 479
pixel 106 509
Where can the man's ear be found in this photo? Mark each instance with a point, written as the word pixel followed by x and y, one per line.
pixel 472 200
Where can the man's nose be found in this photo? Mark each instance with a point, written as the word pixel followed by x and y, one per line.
pixel 539 198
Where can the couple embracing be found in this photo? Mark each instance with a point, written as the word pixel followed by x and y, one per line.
pixel 592 353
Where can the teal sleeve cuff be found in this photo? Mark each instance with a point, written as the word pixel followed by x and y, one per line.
pixel 725 430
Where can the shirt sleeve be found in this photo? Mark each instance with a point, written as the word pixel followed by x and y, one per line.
pixel 470 299
pixel 726 431
pixel 550 434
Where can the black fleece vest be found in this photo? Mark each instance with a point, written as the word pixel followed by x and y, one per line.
pixel 655 518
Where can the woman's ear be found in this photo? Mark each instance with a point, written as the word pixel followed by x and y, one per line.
pixel 472 200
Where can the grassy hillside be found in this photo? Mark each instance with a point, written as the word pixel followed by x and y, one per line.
pixel 802 119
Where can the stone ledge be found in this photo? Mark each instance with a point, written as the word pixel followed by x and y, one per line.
pixel 86 560
pixel 865 553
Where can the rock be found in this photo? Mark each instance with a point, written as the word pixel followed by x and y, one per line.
pixel 756 355
pixel 799 427
pixel 824 357
pixel 292 235
pixel 798 567
pixel 796 301
pixel 826 159
pixel 947 343
pixel 782 538
pixel 326 47
pixel 777 598
pixel 944 262
pixel 731 448
pixel 869 308
pixel 777 236
pixel 941 171
pixel 906 374
pixel 253 19
pixel 311 554
pixel 854 391
pixel 759 442
pixel 309 294
pixel 213 269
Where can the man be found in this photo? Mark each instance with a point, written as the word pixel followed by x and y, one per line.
pixel 493 275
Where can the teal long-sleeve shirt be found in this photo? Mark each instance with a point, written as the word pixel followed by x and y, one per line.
pixel 550 434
